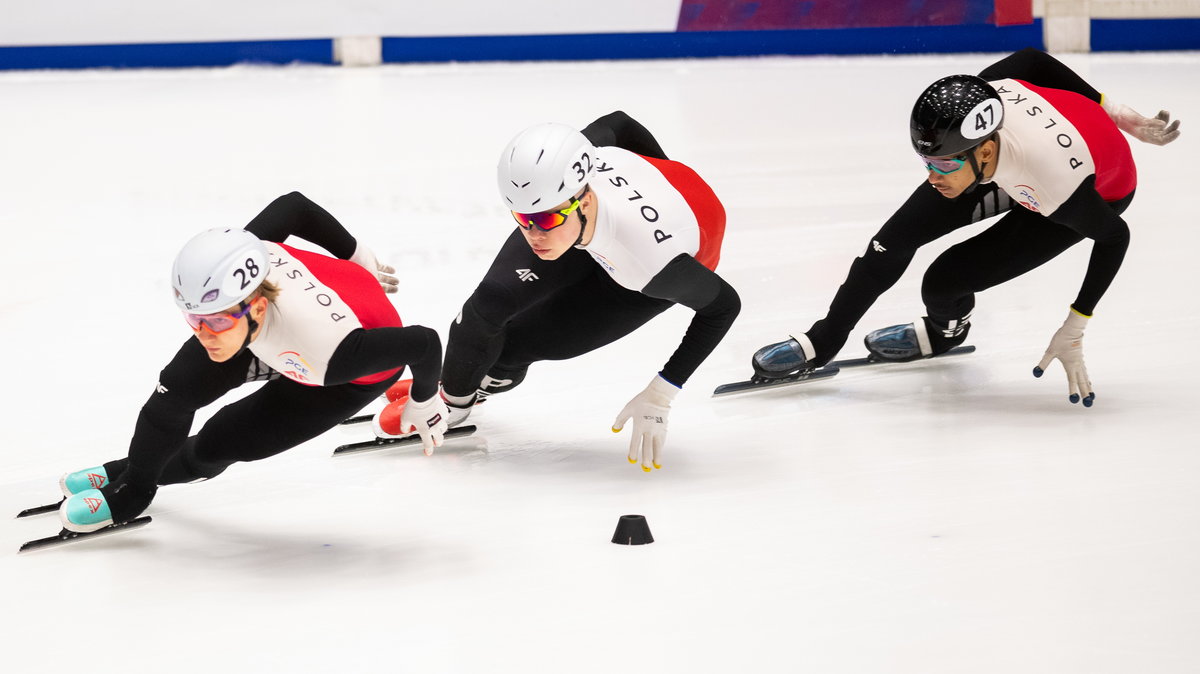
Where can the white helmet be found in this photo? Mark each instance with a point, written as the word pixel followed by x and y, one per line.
pixel 218 269
pixel 544 166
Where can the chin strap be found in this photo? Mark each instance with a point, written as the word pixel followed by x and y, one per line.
pixel 978 168
pixel 582 229
pixel 252 326
pixel 582 219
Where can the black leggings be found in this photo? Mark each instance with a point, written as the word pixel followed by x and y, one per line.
pixel 1019 241
pixel 277 417
pixel 555 310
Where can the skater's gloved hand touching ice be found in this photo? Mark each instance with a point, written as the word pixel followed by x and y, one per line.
pixel 1067 347
pixel 365 258
pixel 1157 130
pixel 429 419
pixel 649 410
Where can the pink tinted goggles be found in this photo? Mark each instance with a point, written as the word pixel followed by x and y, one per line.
pixel 216 323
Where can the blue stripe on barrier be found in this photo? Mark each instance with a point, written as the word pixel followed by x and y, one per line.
pixel 1139 34
pixel 934 39
pixel 167 55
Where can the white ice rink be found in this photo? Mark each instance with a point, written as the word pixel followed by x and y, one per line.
pixel 956 516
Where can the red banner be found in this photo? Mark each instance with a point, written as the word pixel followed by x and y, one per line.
pixel 708 15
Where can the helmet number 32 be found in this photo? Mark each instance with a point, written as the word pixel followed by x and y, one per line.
pixel 246 274
pixel 983 119
pixel 583 167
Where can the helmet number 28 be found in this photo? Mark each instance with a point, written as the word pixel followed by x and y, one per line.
pixel 247 273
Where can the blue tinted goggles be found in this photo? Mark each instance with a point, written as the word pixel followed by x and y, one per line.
pixel 943 165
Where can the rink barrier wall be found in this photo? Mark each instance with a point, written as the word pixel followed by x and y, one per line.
pixel 1106 35
pixel 701 44
pixel 167 55
pixel 690 44
pixel 1145 34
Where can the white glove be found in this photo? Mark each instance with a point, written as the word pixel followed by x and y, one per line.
pixel 649 410
pixel 428 419
pixel 1067 346
pixel 1158 130
pixel 364 258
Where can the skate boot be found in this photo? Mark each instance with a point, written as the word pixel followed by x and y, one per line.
pixel 924 338
pixel 386 424
pixel 495 382
pixel 460 407
pixel 899 343
pixel 94 509
pixel 82 480
pixel 85 512
pixel 459 413
pixel 784 359
pixel 388 419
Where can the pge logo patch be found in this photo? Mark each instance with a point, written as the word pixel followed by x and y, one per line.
pixel 603 261
pixel 294 366
pixel 1028 198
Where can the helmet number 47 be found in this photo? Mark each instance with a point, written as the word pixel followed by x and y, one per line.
pixel 982 124
pixel 983 119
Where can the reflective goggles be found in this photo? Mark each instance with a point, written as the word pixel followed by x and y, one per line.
pixel 546 220
pixel 216 323
pixel 943 165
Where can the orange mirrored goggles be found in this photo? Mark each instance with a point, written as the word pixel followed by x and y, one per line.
pixel 546 220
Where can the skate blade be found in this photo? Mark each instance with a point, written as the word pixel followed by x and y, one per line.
pixel 387 443
pixel 41 510
pixel 759 384
pixel 874 360
pixel 65 537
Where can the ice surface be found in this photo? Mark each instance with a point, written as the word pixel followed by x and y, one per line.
pixel 956 516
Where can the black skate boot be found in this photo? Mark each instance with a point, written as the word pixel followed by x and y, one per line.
pixel 925 338
pixel 784 359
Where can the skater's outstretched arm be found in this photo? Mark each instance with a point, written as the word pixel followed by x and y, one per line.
pixel 1088 214
pixel 685 281
pixel 367 351
pixel 1041 69
pixel 294 214
pixel 618 129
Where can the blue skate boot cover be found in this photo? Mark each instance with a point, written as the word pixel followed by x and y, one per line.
pixel 82 480
pixel 85 512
